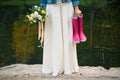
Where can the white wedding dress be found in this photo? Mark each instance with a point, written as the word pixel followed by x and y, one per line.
pixel 59 53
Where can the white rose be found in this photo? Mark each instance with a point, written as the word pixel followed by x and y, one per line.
pixel 39 17
pixel 36 13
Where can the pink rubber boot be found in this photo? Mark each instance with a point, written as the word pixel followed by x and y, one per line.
pixel 81 32
pixel 76 38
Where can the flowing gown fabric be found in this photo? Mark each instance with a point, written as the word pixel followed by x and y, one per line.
pixel 59 53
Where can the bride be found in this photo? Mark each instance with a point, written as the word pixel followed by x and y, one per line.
pixel 59 53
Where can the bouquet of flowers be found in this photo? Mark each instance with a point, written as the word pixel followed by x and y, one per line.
pixel 37 15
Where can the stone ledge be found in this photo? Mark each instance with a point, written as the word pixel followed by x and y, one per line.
pixel 33 72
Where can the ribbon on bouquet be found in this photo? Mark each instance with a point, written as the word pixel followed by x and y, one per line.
pixel 41 32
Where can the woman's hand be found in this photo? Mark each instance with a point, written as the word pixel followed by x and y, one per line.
pixel 77 11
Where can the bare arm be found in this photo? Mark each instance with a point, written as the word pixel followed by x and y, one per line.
pixel 77 11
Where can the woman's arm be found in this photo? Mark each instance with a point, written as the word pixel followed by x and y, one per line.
pixel 77 11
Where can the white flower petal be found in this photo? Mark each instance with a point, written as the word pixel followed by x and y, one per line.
pixel 35 6
pixel 36 13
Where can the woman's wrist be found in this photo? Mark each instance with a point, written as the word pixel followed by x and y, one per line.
pixel 76 7
pixel 77 11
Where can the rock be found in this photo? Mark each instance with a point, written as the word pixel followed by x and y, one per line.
pixel 33 72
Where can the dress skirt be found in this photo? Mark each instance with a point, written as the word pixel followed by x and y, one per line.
pixel 59 53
